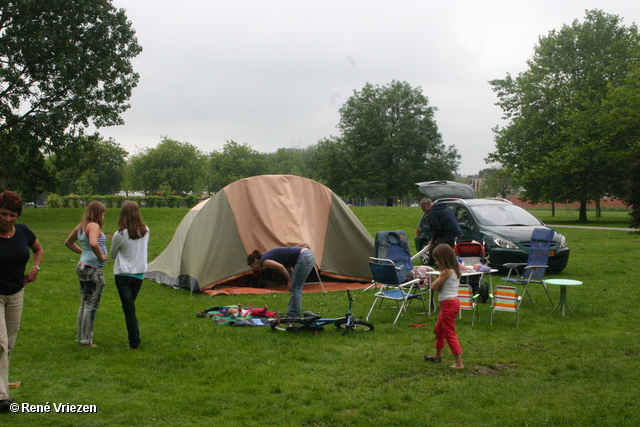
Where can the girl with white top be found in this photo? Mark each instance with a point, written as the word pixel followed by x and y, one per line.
pixel 129 249
pixel 93 256
pixel 447 284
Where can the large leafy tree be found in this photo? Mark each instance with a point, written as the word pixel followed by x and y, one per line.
pixel 32 173
pixel 331 163
pixel 389 142
pixel 64 64
pixel 178 166
pixel 622 124
pixel 234 162
pixel 94 166
pixel 555 142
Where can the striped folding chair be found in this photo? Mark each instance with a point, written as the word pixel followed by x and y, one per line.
pixel 505 298
pixel 468 301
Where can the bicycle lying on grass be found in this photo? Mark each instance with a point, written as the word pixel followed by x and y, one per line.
pixel 315 323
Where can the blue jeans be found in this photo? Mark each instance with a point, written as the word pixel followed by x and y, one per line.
pixel 301 271
pixel 91 286
pixel 128 288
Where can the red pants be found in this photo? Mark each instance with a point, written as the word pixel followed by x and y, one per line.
pixel 445 328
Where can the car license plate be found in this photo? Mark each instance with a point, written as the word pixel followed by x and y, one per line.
pixel 552 253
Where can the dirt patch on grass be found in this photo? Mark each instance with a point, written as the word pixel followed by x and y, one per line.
pixel 495 370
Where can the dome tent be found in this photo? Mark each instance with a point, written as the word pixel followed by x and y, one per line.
pixel 210 246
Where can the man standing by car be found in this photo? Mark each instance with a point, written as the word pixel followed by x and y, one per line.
pixel 443 223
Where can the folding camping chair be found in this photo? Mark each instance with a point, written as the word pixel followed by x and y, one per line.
pixel 505 298
pixel 391 288
pixel 536 265
pixel 393 245
pixel 468 301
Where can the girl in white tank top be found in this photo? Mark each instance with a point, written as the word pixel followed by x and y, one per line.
pixel 447 284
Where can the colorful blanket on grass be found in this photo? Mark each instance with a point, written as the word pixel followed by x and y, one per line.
pixel 234 316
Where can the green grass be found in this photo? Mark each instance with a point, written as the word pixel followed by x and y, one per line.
pixel 551 370
pixel 618 219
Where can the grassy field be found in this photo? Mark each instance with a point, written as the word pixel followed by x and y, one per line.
pixel 577 370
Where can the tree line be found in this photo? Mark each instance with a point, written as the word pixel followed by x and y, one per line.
pixel 389 142
pixel 401 146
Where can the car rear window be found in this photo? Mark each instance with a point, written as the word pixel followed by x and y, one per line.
pixel 504 215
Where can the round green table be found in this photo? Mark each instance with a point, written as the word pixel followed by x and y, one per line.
pixel 563 283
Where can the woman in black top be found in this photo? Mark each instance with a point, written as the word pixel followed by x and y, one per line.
pixel 16 242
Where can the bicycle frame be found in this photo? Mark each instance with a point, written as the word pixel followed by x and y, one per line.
pixel 347 323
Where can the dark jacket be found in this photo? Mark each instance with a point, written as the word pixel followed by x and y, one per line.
pixel 444 224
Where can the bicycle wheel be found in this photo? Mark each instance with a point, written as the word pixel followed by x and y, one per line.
pixel 295 326
pixel 287 325
pixel 356 324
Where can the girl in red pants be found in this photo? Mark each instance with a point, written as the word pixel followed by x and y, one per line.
pixel 447 285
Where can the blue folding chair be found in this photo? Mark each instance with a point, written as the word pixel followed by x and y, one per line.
pixel 393 245
pixel 392 288
pixel 536 266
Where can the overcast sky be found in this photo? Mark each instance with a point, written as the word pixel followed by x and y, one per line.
pixel 274 73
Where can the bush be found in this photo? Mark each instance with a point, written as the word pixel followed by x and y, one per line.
pixel 75 201
pixel 175 201
pixel 154 201
pixel 113 202
pixel 53 201
pixel 109 202
pixel 191 200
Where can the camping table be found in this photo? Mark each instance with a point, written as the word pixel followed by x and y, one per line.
pixel 563 283
pixel 464 274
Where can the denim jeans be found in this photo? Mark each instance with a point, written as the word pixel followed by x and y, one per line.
pixel 301 271
pixel 91 285
pixel 128 288
pixel 10 314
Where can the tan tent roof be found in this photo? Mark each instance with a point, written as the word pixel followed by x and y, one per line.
pixel 211 244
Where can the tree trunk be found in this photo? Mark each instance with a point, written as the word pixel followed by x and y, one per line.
pixel 598 209
pixel 583 212
pixel 389 201
pixel 553 209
